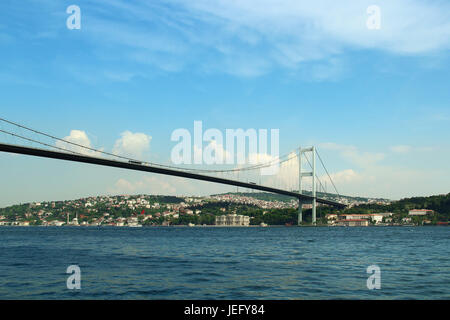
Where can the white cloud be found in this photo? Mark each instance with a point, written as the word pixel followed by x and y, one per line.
pixel 401 149
pixel 132 144
pixel 355 156
pixel 149 185
pixel 80 138
pixel 165 185
pixel 391 182
pixel 343 177
pixel 260 158
pixel 373 178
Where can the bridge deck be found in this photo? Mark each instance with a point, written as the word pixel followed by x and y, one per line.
pixel 140 167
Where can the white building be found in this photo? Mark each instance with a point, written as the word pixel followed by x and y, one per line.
pixel 419 212
pixel 356 216
pixel 353 222
pixel 376 217
pixel 232 220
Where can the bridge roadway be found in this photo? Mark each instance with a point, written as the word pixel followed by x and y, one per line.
pixel 147 168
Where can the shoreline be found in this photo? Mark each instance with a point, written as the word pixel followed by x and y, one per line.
pixel 214 226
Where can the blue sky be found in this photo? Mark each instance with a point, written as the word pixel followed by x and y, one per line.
pixel 374 102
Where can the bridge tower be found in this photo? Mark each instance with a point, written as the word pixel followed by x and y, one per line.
pixel 312 174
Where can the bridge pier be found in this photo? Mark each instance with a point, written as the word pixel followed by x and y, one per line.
pixel 300 209
pixel 311 174
pixel 314 212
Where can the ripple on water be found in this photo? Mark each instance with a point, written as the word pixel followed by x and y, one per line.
pixel 213 263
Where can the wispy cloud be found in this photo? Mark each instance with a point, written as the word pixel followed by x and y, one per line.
pixel 406 149
pixel 253 37
pixel 370 174
pixel 401 149
pixel 149 185
pixel 362 159
pixel 326 26
pixel 348 176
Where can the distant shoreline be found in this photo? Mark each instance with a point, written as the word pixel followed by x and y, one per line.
pixel 218 227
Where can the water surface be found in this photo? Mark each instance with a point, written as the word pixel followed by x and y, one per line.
pixel 224 263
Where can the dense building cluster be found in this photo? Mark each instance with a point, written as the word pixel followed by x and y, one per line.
pixel 124 210
pixel 383 218
pixel 230 209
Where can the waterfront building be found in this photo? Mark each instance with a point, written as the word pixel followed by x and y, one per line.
pixel 376 217
pixel 357 216
pixel 133 222
pixel 420 212
pixel 232 220
pixel 353 222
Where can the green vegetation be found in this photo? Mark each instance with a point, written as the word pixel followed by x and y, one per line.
pixel 440 204
pixel 158 210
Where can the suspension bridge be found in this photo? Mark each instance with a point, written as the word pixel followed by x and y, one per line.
pixel 32 142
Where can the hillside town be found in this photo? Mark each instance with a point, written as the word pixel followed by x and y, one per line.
pixel 231 209
pixel 382 218
pixel 123 210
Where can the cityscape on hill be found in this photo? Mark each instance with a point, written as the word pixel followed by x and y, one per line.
pixel 348 200
pixel 262 209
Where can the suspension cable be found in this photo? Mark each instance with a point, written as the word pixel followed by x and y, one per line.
pixel 332 182
pixel 40 142
pixel 320 182
pixel 255 167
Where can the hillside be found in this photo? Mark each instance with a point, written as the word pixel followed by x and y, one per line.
pixel 329 196
pixel 438 203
